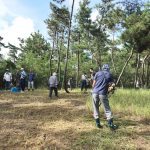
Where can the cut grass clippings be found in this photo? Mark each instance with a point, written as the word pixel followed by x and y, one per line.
pixel 31 120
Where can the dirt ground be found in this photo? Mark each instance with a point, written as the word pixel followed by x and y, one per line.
pixel 32 121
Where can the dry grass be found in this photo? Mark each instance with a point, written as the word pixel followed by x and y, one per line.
pixel 32 121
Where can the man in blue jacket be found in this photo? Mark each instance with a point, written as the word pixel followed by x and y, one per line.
pixel 100 91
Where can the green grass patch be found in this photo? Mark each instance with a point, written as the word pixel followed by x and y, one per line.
pixel 129 101
pixel 105 139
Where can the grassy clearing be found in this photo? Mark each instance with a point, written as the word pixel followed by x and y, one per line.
pixel 131 110
pixel 31 120
pixel 131 102
pixel 134 102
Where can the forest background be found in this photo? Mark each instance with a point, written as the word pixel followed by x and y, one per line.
pixel 119 36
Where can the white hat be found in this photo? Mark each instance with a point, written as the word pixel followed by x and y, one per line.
pixel 54 74
pixel 22 68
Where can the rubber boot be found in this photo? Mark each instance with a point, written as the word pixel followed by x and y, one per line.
pixel 98 125
pixel 111 125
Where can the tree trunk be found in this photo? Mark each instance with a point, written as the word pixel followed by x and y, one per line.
pixel 147 74
pixel 58 53
pixel 136 81
pixel 143 76
pixel 58 65
pixel 67 51
pixel 78 63
pixel 99 58
pixel 126 63
pixel 50 59
pixel 51 54
pixel 112 58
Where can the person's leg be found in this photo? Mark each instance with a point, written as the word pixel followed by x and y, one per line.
pixel 71 87
pixel 7 85
pixel 32 85
pixel 50 92
pixel 105 103
pixel 23 84
pixel 82 85
pixel 107 110
pixel 29 85
pixel 56 91
pixel 95 100
pixel 85 85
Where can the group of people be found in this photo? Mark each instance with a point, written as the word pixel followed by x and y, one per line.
pixel 19 80
pixel 53 82
pixel 100 83
pixel 99 80
pixel 85 81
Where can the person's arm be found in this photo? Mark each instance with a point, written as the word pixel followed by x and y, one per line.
pixel 49 81
pixel 25 74
pixel 56 81
pixel 94 82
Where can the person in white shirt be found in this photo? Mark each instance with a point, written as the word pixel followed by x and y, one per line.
pixel 53 85
pixel 84 82
pixel 7 79
pixel 23 76
pixel 70 83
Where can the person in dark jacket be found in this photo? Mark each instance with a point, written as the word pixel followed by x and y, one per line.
pixel 99 94
pixel 31 77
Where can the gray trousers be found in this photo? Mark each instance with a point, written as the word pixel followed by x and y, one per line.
pixel 30 85
pixel 101 99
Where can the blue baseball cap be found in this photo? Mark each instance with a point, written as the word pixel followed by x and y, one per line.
pixel 105 67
